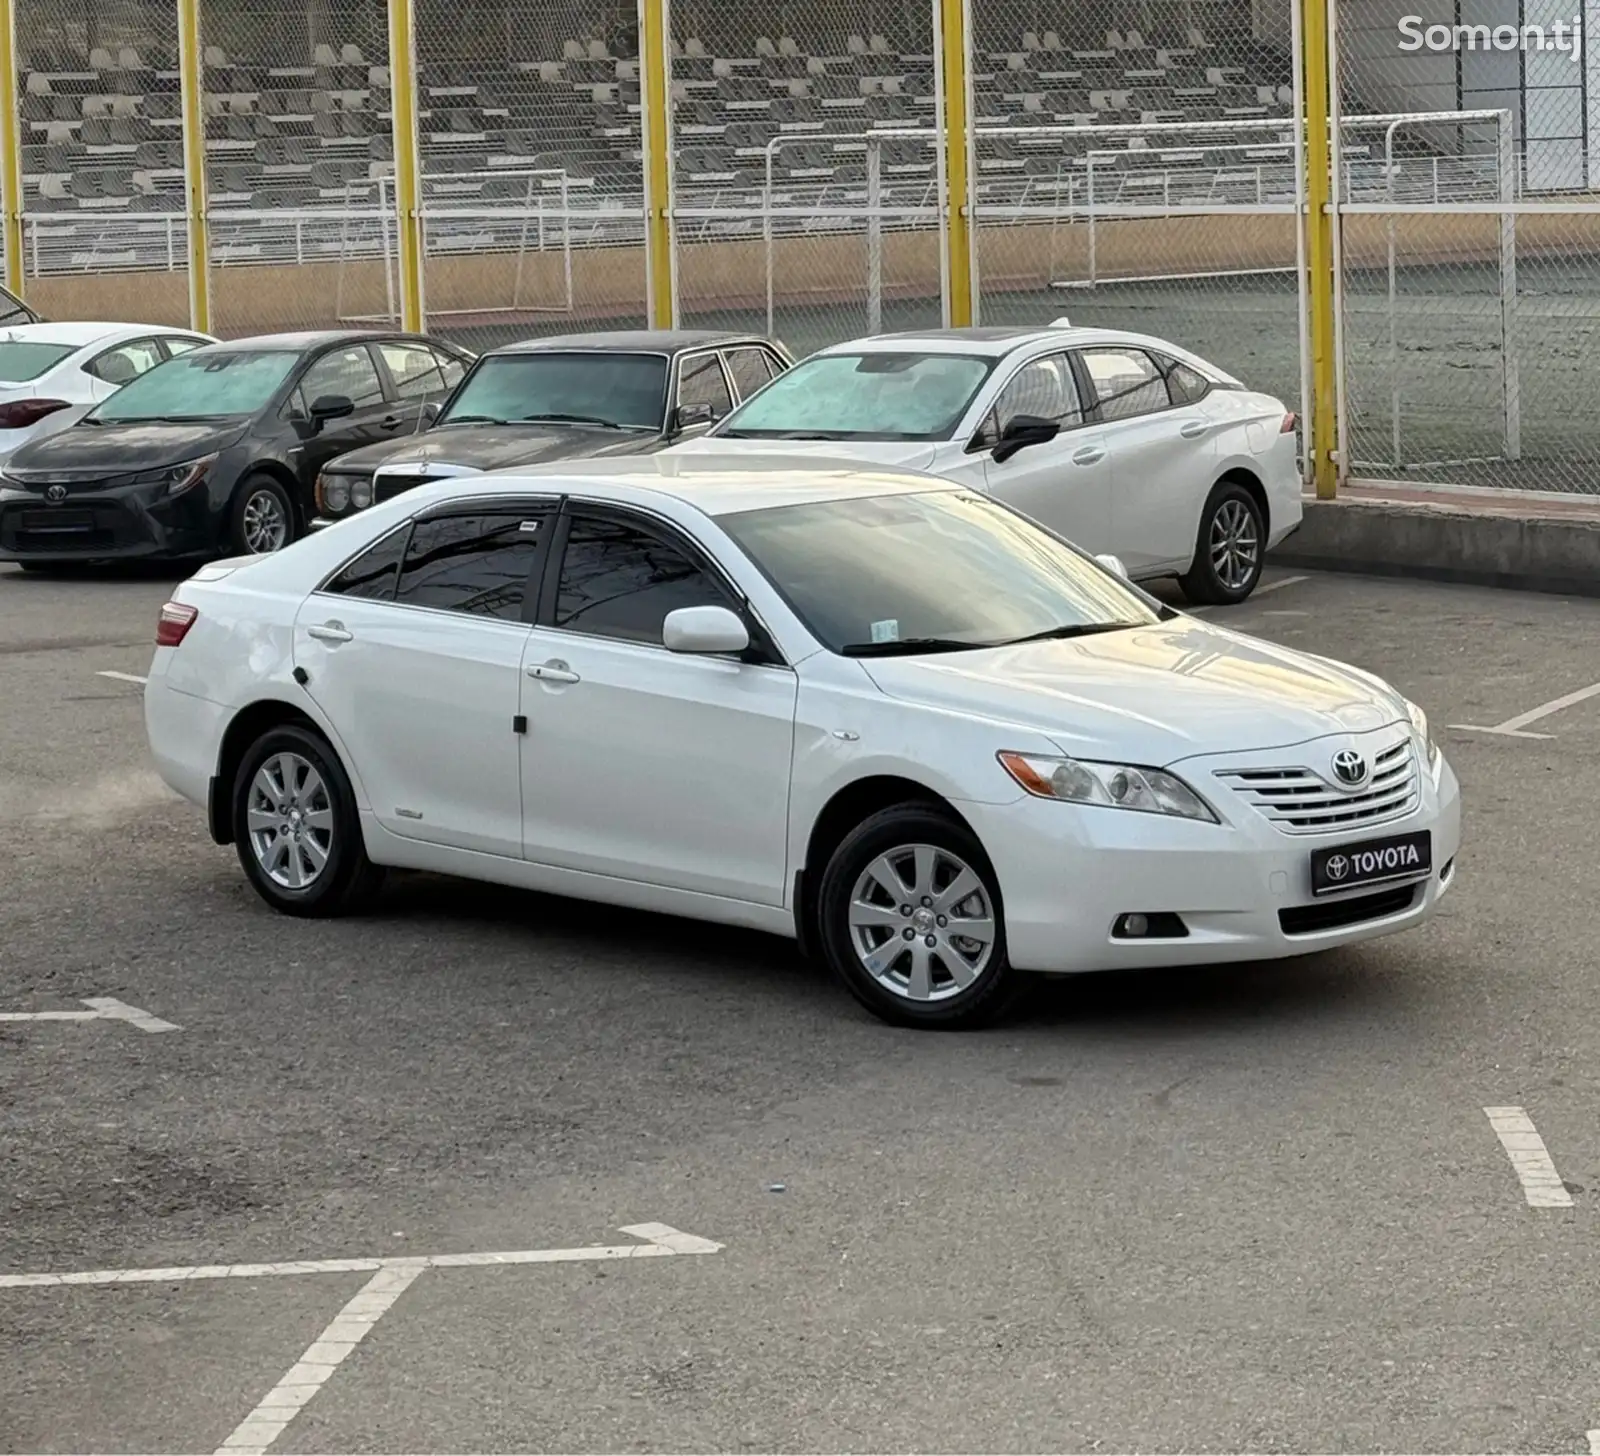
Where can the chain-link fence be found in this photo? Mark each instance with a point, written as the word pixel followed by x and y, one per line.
pixel 104 233
pixel 804 177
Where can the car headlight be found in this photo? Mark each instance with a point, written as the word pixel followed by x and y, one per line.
pixel 333 493
pixel 1110 785
pixel 360 494
pixel 177 478
pixel 1419 724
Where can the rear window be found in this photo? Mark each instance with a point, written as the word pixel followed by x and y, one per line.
pixel 20 361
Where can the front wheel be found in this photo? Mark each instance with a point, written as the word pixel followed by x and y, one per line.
pixel 1230 549
pixel 296 827
pixel 262 518
pixel 909 918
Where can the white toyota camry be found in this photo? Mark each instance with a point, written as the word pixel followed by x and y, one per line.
pixel 866 708
pixel 1120 442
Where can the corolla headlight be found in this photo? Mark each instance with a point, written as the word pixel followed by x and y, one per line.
pixel 1110 785
pixel 1419 724
pixel 177 478
pixel 360 494
pixel 333 493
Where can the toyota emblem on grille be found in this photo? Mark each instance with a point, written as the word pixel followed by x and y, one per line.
pixel 56 493
pixel 1337 867
pixel 1350 768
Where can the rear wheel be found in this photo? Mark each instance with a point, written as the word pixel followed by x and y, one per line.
pixel 1230 550
pixel 262 519
pixel 296 827
pixel 909 918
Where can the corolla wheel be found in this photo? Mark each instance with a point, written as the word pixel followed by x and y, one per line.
pixel 1235 544
pixel 290 820
pixel 265 522
pixel 909 917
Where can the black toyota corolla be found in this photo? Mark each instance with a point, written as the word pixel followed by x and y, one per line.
pixel 218 449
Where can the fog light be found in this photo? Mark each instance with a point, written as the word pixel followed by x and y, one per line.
pixel 1151 925
pixel 1131 925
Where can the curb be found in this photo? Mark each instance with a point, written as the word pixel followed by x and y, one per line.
pixel 1448 543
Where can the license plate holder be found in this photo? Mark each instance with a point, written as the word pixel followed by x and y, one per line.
pixel 1371 862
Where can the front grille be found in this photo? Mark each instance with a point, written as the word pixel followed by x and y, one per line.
pixel 387 487
pixel 1334 914
pixel 40 482
pixel 1300 802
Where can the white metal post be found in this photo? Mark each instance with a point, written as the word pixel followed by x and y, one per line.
pixel 874 236
pixel 1510 377
pixel 1394 305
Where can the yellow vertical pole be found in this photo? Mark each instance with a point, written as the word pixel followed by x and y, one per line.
pixel 955 87
pixel 1319 250
pixel 191 80
pixel 655 93
pixel 407 163
pixel 10 147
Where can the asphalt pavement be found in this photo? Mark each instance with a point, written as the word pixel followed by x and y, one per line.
pixel 1255 1208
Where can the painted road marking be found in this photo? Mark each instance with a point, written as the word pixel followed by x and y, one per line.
pixel 1594 1443
pixel 1260 591
pixel 127 677
pixel 1513 727
pixel 101 1008
pixel 391 1277
pixel 1541 1184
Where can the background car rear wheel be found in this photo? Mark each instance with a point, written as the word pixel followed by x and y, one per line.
pixel 262 520
pixel 909 918
pixel 296 827
pixel 1231 548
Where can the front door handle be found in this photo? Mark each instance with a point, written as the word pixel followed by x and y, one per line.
pixel 392 422
pixel 1088 455
pixel 553 671
pixel 330 632
pixel 1193 429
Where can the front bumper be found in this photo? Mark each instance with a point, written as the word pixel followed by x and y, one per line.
pixel 121 523
pixel 1242 889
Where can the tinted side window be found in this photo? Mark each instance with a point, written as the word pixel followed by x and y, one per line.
pixel 176 344
pixel 619 580
pixel 1185 385
pixel 347 372
pixel 477 564
pixel 1126 382
pixel 1043 389
pixel 125 362
pixel 750 369
pixel 453 370
pixel 373 574
pixel 415 370
pixel 702 382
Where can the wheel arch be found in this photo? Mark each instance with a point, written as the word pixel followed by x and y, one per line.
pixel 277 471
pixel 247 725
pixel 1244 476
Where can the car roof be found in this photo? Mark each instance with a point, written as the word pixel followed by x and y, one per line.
pixel 79 333
pixel 637 341
pixel 317 338
pixel 986 341
pixel 715 485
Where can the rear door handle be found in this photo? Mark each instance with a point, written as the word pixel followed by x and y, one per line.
pixel 1088 455
pixel 1193 429
pixel 330 632
pixel 553 672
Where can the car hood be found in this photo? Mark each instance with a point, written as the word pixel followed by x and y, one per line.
pixel 910 454
pixel 105 450
pixel 497 447
pixel 1151 695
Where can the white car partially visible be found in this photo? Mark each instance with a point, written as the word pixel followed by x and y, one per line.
pixel 864 708
pixel 52 374
pixel 1121 442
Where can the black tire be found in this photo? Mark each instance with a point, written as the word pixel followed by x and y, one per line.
pixel 893 834
pixel 1230 511
pixel 255 496
pixel 346 880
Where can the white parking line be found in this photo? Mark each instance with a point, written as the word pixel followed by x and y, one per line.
pixel 1512 727
pixel 101 1008
pixel 1541 1184
pixel 1594 1443
pixel 1260 591
pixel 127 677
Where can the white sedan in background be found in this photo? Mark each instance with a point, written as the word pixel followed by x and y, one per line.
pixel 1120 442
pixel 865 708
pixel 52 374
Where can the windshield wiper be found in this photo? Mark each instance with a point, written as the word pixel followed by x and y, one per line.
pixel 564 419
pixel 470 420
pixel 910 646
pixel 1079 629
pixel 787 435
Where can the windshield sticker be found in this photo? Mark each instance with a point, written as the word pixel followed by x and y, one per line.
pixel 887 630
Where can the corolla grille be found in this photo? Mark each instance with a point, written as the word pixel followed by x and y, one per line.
pixel 1299 801
pixel 40 482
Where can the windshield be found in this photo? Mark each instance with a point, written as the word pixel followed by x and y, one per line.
pixel 28 361
pixel 938 571
pixel 208 384
pixel 900 396
pixel 624 391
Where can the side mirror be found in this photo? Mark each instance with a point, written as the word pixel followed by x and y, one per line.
pixel 327 407
pixel 1114 565
pixel 1022 431
pixel 704 630
pixel 688 416
pixel 428 417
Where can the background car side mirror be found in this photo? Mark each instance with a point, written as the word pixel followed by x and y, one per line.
pixel 687 416
pixel 1022 431
pixel 1114 565
pixel 429 414
pixel 704 630
pixel 327 407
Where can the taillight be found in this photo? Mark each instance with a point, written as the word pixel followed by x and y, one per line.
pixel 175 620
pixel 21 413
pixel 1289 422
